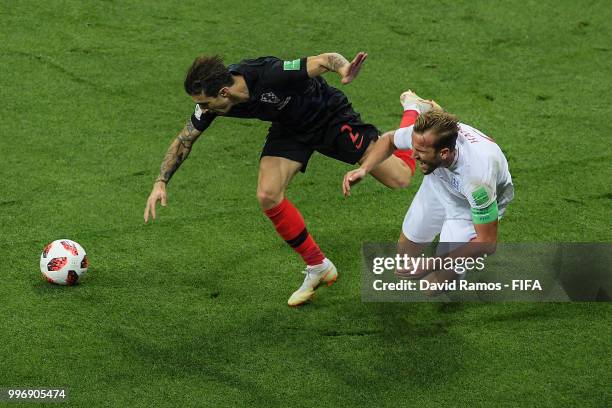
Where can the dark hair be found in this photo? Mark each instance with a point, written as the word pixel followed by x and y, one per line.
pixel 207 75
pixel 444 127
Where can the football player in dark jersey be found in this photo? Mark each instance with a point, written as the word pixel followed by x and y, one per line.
pixel 306 115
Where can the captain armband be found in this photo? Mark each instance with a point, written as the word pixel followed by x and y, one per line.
pixel 485 215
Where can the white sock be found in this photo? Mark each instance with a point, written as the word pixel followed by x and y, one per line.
pixel 320 267
pixel 412 106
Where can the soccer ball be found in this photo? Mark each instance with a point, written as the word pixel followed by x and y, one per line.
pixel 63 262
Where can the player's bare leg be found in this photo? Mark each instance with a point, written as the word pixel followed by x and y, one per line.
pixel 275 173
pixel 394 172
pixel 410 248
pixel 397 170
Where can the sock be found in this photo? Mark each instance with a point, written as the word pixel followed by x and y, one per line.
pixel 408 119
pixel 291 227
pixel 321 267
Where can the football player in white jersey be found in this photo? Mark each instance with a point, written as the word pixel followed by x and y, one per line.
pixel 466 187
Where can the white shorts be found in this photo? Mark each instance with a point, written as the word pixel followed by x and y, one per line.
pixel 435 210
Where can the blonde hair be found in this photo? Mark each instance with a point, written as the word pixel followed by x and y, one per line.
pixel 442 125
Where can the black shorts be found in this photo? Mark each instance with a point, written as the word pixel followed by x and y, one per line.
pixel 342 136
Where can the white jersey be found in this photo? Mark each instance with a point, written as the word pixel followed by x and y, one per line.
pixel 479 173
pixel 451 200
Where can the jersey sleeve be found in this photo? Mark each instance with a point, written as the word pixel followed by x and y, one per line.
pixel 483 202
pixel 402 139
pixel 286 73
pixel 200 119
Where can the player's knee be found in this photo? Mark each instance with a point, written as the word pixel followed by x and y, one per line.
pixel 403 180
pixel 399 181
pixel 269 198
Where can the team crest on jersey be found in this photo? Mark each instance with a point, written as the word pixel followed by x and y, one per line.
pixel 455 184
pixel 269 97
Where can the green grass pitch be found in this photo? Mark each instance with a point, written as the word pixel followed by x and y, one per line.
pixel 190 310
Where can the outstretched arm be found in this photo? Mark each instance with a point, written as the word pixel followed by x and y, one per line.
pixel 382 149
pixel 177 153
pixel 334 62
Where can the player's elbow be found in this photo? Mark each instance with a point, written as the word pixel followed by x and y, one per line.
pixel 490 248
pixel 317 65
pixel 486 237
pixel 486 246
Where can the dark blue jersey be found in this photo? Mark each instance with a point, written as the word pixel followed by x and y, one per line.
pixel 281 92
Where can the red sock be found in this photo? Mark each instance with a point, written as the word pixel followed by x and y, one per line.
pixel 408 119
pixel 291 227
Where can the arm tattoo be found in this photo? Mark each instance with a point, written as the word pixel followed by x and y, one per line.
pixel 189 134
pixel 178 152
pixel 335 62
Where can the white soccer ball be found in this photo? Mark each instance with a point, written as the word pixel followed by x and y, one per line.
pixel 63 262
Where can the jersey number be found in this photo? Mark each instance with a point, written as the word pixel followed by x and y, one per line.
pixel 354 137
